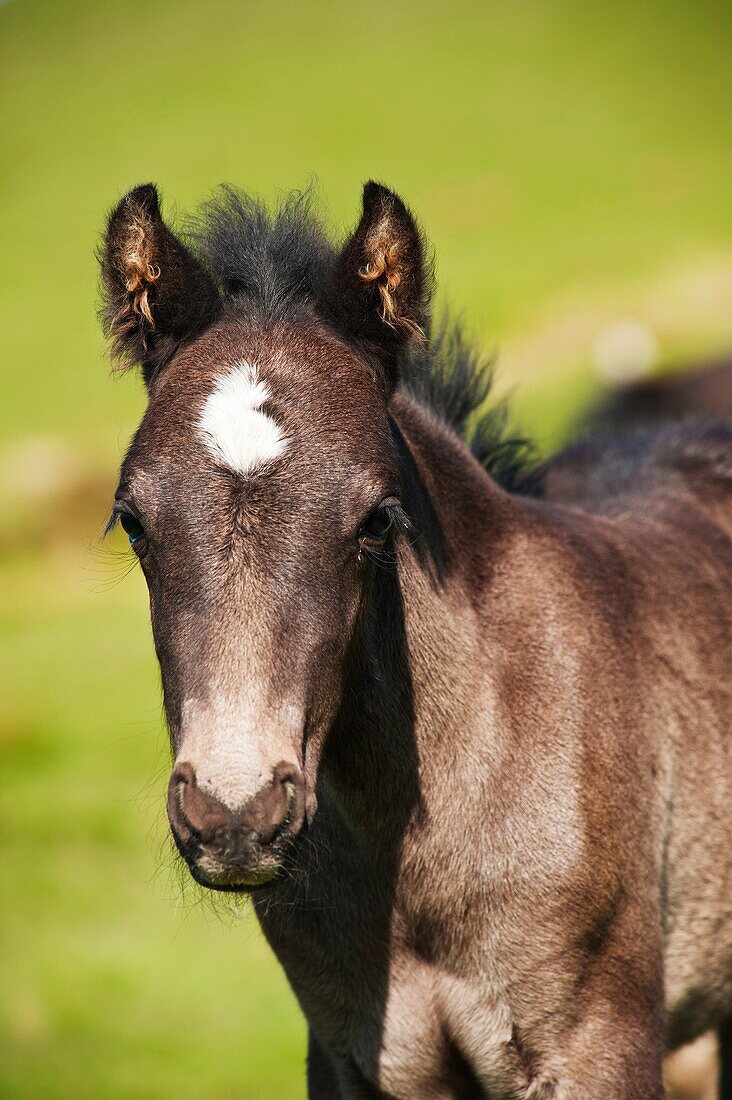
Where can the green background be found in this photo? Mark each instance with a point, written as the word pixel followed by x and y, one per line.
pixel 571 164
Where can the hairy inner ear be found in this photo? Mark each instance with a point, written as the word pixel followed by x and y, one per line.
pixel 157 295
pixel 138 269
pixel 389 266
pixel 380 291
pixel 393 259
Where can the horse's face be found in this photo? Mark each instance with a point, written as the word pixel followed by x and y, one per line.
pixel 259 487
pixel 256 490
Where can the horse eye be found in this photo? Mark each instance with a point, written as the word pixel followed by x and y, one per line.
pixel 132 527
pixel 378 525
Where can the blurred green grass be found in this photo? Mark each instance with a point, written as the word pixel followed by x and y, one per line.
pixel 571 162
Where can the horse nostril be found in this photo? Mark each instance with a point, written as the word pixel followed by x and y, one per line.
pixel 182 777
pixel 193 812
pixel 288 778
pixel 183 773
pixel 287 773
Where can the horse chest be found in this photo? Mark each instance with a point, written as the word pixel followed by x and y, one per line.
pixel 445 1036
pixel 389 1019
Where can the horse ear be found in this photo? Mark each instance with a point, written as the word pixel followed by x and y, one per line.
pixel 382 283
pixel 156 294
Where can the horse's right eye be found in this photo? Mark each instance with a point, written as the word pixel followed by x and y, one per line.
pixel 132 527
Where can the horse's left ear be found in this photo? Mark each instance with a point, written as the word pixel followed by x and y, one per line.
pixel 157 295
pixel 382 283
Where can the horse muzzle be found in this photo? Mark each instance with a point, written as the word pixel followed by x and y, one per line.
pixel 239 849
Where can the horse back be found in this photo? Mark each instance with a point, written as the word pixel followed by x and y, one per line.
pixel 662 498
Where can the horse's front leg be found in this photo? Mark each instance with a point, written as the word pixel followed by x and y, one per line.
pixel 322 1077
pixel 330 1081
pixel 613 1055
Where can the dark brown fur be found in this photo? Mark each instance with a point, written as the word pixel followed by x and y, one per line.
pixel 512 876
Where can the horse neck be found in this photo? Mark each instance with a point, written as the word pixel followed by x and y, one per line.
pixel 414 682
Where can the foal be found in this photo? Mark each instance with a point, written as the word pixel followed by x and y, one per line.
pixel 462 733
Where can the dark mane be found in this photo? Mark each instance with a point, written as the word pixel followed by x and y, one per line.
pixel 276 264
pixel 453 379
pixel 273 263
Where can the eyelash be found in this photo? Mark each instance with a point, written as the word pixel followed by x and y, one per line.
pixel 397 520
pixel 132 527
